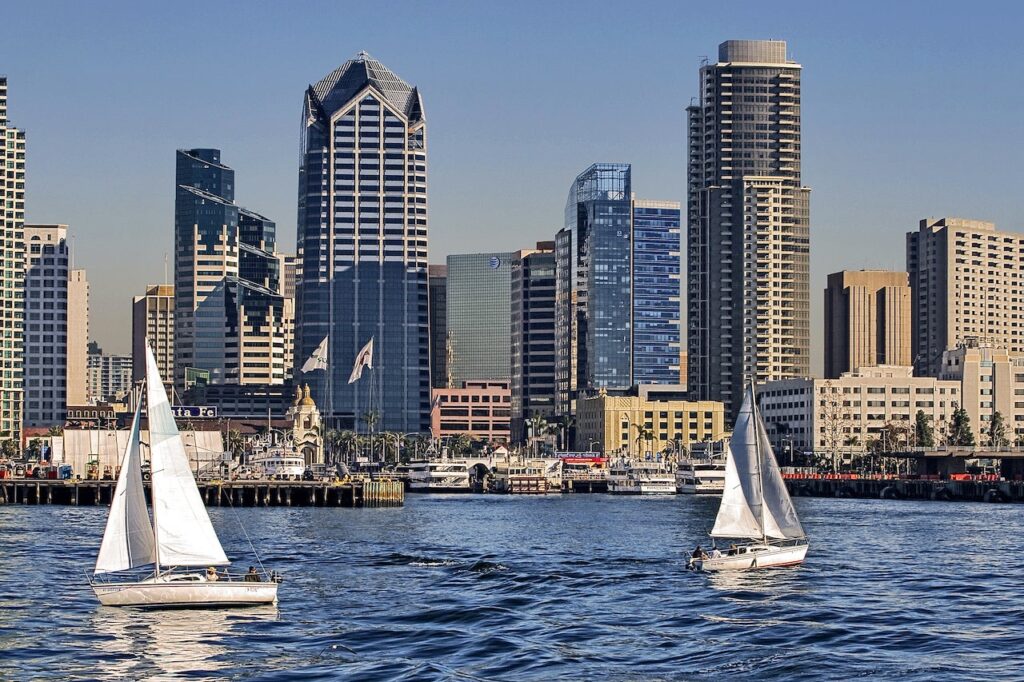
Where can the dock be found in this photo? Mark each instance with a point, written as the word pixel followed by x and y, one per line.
pixel 908 489
pixel 352 493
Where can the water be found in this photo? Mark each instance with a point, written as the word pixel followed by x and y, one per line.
pixel 570 587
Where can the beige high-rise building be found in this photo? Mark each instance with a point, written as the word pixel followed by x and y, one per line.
pixel 748 224
pixel 78 338
pixel 289 264
pixel 968 283
pixel 867 320
pixel 153 319
pixel 12 271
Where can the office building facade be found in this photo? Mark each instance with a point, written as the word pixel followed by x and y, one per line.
pixel 109 376
pixel 532 294
pixel 748 234
pixel 867 320
pixel 437 282
pixel 12 271
pixel 153 320
pixel 78 338
pixel 478 409
pixel 657 302
pixel 478 311
pixel 362 245
pixel 593 307
pixel 229 312
pixel 968 283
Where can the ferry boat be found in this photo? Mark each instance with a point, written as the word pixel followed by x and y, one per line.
pixel 640 477
pixel 704 472
pixel 438 476
pixel 517 477
pixel 279 464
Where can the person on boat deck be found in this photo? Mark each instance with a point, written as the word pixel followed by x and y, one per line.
pixel 698 554
pixel 716 553
pixel 732 549
pixel 211 575
pixel 252 576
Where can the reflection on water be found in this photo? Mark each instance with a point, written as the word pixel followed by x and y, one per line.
pixel 567 587
pixel 142 643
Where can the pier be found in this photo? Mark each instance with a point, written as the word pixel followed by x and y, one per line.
pixel 908 489
pixel 352 493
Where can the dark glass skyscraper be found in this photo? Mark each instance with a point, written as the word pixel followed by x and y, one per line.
pixel 438 280
pixel 229 312
pixel 533 335
pixel 593 315
pixel 656 292
pixel 479 314
pixel 362 244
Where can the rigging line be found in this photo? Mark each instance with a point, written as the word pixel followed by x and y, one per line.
pixel 231 505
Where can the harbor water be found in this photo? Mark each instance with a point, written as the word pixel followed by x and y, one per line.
pixel 560 587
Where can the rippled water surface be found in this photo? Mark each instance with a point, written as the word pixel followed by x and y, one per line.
pixel 570 587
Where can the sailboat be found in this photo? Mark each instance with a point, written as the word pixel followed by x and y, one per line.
pixel 179 537
pixel 756 509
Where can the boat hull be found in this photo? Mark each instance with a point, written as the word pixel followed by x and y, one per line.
pixel 186 594
pixel 753 557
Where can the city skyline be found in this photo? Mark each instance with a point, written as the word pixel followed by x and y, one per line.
pixel 854 145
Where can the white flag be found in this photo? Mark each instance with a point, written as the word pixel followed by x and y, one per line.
pixel 364 359
pixel 318 360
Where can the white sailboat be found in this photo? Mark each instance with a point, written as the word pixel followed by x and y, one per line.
pixel 755 509
pixel 178 538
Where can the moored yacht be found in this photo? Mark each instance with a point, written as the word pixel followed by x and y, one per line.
pixel 640 477
pixel 703 473
pixel 438 476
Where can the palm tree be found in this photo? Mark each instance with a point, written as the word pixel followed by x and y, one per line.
pixel 55 431
pixel 461 444
pixel 567 425
pixel 554 430
pixel 235 444
pixel 643 435
pixel 538 425
pixel 346 440
pixel 370 419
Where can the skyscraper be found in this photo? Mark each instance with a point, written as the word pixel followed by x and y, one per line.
pixel 657 302
pixel 966 283
pixel 289 273
pixel 153 320
pixel 437 278
pixel 12 271
pixel 867 320
pixel 110 376
pixel 748 231
pixel 593 305
pixel 78 338
pixel 479 316
pixel 362 244
pixel 228 308
pixel 532 293
pixel 51 337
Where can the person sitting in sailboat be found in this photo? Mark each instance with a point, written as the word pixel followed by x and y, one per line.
pixel 211 575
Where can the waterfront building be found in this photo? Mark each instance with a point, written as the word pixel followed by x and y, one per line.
pixel 657 303
pixel 12 271
pixel 49 341
pixel 478 409
pixel 109 376
pixel 593 304
pixel 243 401
pixel 992 382
pixel 532 294
pixel 968 282
pixel 153 320
pixel 437 282
pixel 229 313
pixel 479 316
pixel 867 320
pixel 748 233
pixel 78 338
pixel 607 422
pixel 362 245
pixel 849 412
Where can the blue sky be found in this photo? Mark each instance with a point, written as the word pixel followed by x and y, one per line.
pixel 910 110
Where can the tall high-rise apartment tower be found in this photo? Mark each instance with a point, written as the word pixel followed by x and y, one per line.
pixel 56 311
pixel 966 279
pixel 362 245
pixel 867 320
pixel 12 270
pixel 748 224
pixel 229 312
pixel 153 321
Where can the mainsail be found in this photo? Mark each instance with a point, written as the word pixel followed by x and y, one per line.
pixel 184 534
pixel 128 538
pixel 755 503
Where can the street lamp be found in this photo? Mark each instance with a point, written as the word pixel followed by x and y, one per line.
pixel 590 445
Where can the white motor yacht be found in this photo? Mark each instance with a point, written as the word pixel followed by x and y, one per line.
pixel 640 477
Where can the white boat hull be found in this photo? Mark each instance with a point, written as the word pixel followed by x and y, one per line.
pixel 643 488
pixel 754 556
pixel 186 594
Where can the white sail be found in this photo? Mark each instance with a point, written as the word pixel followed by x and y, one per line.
pixel 755 502
pixel 128 538
pixel 184 534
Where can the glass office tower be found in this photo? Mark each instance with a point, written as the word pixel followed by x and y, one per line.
pixel 362 245
pixel 593 315
pixel 656 292
pixel 479 316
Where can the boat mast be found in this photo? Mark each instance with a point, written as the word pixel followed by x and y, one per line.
pixel 757 450
pixel 152 479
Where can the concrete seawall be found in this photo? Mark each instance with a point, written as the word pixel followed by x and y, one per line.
pixel 968 491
